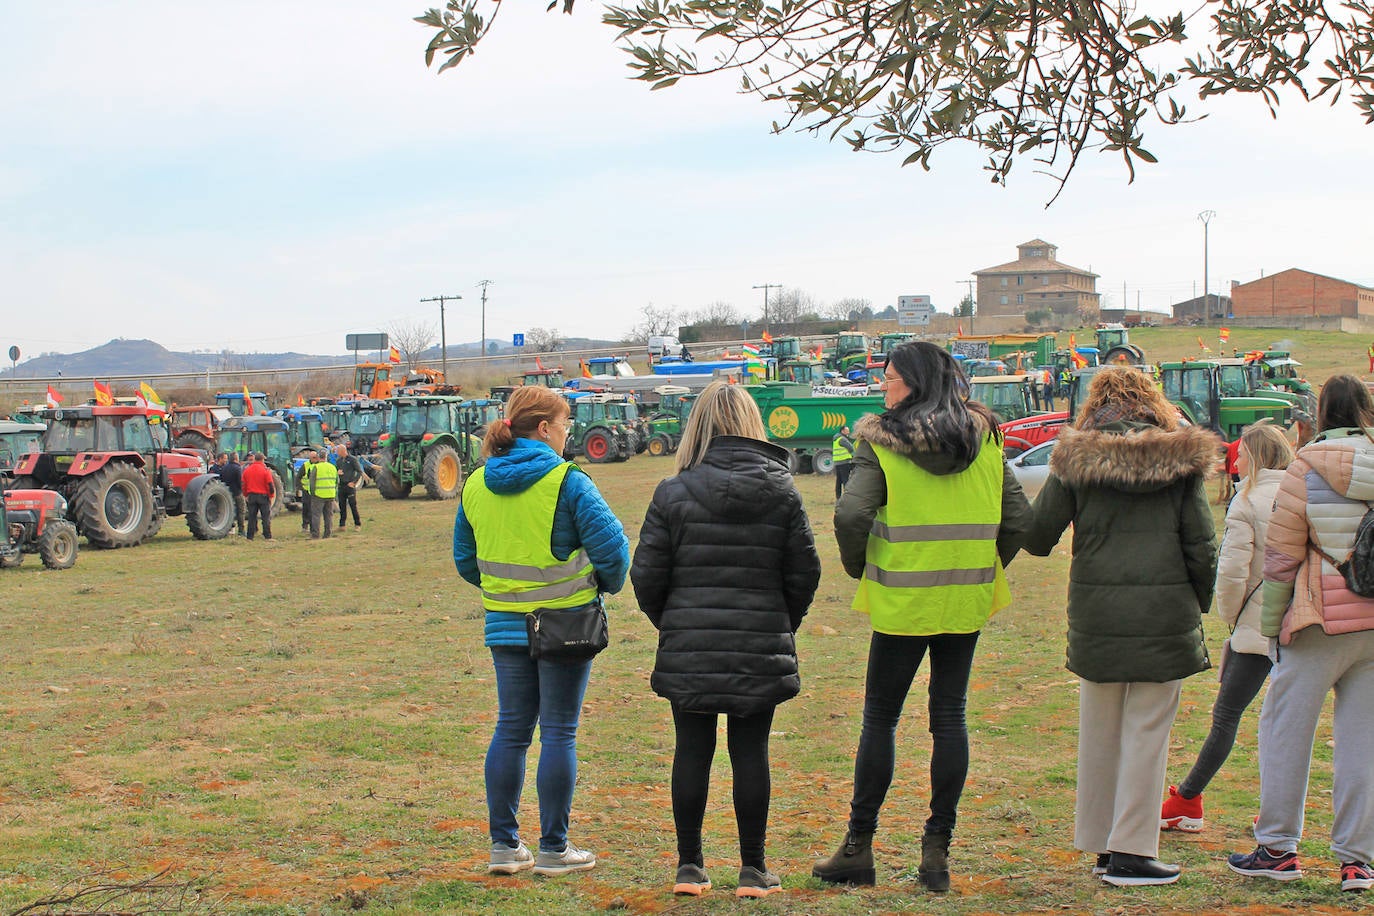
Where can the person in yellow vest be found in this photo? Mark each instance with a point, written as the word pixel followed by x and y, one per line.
pixel 533 531
pixel 1371 358
pixel 842 454
pixel 322 483
pixel 929 519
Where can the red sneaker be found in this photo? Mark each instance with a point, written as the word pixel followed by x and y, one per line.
pixel 1179 813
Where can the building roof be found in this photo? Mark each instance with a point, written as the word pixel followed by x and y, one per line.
pixel 1033 265
pixel 1037 241
pixel 1309 273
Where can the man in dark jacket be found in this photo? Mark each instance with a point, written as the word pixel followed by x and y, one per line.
pixel 350 472
pixel 228 469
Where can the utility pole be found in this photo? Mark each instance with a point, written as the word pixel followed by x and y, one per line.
pixel 443 333
pixel 766 287
pixel 1206 217
pixel 484 284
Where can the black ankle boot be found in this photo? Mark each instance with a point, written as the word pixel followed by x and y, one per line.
pixel 1128 870
pixel 934 870
pixel 852 863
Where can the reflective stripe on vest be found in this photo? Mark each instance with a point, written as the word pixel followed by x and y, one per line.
pixel 839 451
pixel 938 535
pixel 514 556
pixel 324 479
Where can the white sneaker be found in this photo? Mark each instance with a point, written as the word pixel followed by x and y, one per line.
pixel 560 863
pixel 508 861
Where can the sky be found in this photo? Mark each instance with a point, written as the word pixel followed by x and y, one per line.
pixel 284 173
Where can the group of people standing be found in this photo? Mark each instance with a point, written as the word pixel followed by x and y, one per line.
pixel 726 569
pixel 327 477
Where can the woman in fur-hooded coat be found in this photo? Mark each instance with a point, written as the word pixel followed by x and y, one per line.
pixel 1131 482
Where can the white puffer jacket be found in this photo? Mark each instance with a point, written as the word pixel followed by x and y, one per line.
pixel 1240 566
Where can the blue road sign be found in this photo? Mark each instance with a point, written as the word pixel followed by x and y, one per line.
pixel 518 340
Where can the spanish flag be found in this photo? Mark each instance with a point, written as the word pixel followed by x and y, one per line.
pixel 1225 335
pixel 767 338
pixel 300 400
pixel 395 355
pixel 103 397
pixel 247 401
pixel 586 370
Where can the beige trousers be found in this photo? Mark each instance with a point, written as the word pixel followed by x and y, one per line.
pixel 1123 752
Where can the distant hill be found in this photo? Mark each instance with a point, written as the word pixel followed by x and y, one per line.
pixel 123 357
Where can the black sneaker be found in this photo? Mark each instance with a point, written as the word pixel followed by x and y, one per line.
pixel 692 880
pixel 1356 876
pixel 1127 870
pixel 756 883
pixel 1265 863
pixel 1100 866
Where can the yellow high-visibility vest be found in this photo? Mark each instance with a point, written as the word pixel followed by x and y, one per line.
pixel 932 564
pixel 324 479
pixel 514 556
pixel 839 451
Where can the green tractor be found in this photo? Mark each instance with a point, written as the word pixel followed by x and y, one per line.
pixel 1114 346
pixel 669 419
pixel 1195 386
pixel 850 352
pixel 1010 397
pixel 596 432
pixel 427 442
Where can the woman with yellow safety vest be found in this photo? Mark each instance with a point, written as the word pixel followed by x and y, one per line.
pixel 532 532
pixel 929 518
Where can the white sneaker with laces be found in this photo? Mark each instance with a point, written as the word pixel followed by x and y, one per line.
pixel 507 861
pixel 560 863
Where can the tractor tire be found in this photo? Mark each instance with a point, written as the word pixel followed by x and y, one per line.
pixel 212 517
pixel 659 446
pixel 194 440
pixel 13 560
pixel 114 507
pixel 57 544
pixel 389 486
pixel 795 461
pixel 598 447
pixel 823 461
pixel 442 473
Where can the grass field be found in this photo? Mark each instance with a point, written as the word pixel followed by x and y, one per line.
pixel 299 727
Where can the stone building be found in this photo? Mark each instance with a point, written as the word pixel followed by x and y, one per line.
pixel 1036 280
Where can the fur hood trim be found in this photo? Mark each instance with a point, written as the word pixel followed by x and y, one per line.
pixel 1136 460
pixel 881 429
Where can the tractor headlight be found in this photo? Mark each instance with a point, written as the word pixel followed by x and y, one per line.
pixel 59 505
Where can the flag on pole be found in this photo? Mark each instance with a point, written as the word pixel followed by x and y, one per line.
pixel 1225 335
pixel 586 370
pixel 1203 347
pixel 54 397
pixel 767 338
pixel 749 350
pixel 960 326
pixel 103 397
pixel 149 396
pixel 395 355
pixel 300 400
pixel 1078 359
pixel 247 401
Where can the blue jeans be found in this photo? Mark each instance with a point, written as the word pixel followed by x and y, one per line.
pixel 530 692
pixel 892 664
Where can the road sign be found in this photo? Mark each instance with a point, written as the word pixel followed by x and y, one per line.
pixel 914 310
pixel 517 340
pixel 14 354
pixel 367 342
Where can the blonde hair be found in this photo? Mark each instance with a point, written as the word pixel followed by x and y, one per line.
pixel 527 408
pixel 1126 394
pixel 1267 448
pixel 720 410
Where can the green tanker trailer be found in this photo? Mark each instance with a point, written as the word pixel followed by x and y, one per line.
pixel 806 424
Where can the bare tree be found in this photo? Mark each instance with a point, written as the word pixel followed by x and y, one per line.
pixel 850 309
pixel 544 340
pixel 412 338
pixel 719 312
pixel 654 321
pixel 792 304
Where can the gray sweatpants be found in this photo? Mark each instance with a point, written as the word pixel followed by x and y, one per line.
pixel 1308 668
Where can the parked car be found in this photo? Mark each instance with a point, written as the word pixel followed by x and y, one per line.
pixel 1032 466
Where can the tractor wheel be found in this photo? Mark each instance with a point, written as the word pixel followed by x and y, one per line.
pixel 443 473
pixel 278 495
pixel 795 462
pixel 212 516
pixel 57 544
pixel 12 560
pixel 389 486
pixel 659 446
pixel 192 439
pixel 597 447
pixel 114 507
pixel 823 461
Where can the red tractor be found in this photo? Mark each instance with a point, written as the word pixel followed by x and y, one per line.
pixel 121 480
pixel 34 521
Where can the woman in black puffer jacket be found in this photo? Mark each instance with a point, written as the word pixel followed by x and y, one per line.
pixel 726 568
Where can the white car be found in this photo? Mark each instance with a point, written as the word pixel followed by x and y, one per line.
pixel 1031 467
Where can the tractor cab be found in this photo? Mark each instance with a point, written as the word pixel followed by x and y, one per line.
pixel 16 441
pixel 426 443
pixel 1010 397
pixel 1195 386
pixel 1114 346
pixel 255 405
pixel 270 437
pixel 373 380
pixel 306 428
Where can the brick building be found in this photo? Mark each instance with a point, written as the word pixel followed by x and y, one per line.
pixel 1296 293
pixel 1036 280
pixel 1208 308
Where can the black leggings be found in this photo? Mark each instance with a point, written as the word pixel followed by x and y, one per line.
pixel 747 740
pixel 892 664
pixel 1241 682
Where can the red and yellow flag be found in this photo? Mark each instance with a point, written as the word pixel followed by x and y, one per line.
pixel 103 397
pixel 1225 334
pixel 767 338
pixel 395 355
pixel 247 401
pixel 300 400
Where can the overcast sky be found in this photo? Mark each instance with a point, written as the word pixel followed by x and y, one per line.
pixel 271 176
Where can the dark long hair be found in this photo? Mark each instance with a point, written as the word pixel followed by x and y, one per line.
pixel 1344 402
pixel 937 410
